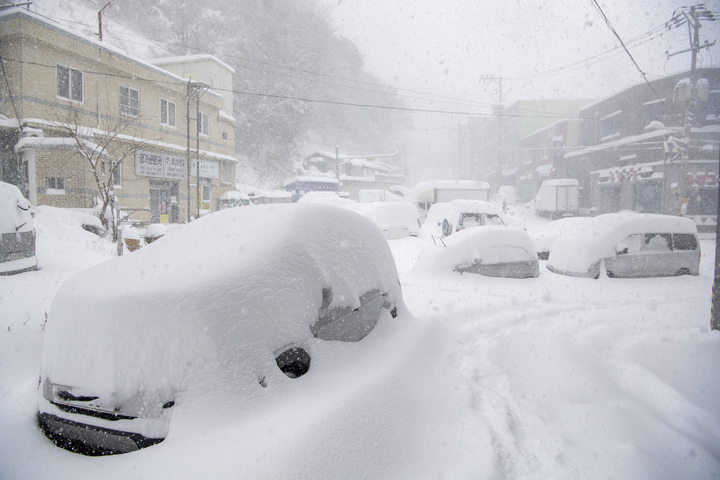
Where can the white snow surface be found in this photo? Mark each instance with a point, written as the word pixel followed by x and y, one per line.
pixel 390 215
pixel 549 378
pixel 325 198
pixel 578 249
pixel 545 236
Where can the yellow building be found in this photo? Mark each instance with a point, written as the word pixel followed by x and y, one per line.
pixel 74 110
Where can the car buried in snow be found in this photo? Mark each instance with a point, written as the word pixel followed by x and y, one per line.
pixel 17 232
pixel 492 251
pixel 229 305
pixel 628 245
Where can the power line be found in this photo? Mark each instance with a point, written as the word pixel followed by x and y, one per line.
pixel 612 29
pixel 308 100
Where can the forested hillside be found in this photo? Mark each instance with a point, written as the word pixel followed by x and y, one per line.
pixel 294 75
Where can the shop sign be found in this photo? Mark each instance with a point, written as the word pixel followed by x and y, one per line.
pixel 207 169
pixel 711 179
pixel 149 164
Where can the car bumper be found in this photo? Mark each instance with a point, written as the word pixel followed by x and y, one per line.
pixel 20 265
pixel 89 439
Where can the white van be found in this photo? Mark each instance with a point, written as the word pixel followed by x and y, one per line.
pixel 630 245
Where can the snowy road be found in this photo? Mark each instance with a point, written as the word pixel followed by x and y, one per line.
pixel 554 377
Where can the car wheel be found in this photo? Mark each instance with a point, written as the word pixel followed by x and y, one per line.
pixel 682 271
pixel 293 362
pixel 610 274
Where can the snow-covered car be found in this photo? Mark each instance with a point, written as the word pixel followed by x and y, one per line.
pixel 394 219
pixel 17 242
pixel 222 309
pixel 628 244
pixel 493 251
pixel 464 214
pixel 545 236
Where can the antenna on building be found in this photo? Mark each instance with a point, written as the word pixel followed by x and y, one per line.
pixel 100 12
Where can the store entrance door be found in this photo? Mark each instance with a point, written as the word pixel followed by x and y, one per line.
pixel 163 195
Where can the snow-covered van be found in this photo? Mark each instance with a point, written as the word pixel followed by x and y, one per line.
pixel 628 244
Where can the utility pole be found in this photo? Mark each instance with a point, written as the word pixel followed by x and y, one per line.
pixel 499 112
pixel 690 16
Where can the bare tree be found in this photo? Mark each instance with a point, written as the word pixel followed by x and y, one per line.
pixel 114 141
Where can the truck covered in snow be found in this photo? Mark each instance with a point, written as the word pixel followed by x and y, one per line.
pixel 448 190
pixel 557 198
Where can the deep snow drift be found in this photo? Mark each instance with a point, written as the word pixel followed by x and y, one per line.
pixel 554 377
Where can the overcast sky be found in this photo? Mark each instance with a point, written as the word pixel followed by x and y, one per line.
pixel 541 49
pixel 446 47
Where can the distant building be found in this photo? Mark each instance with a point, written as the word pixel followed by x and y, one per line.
pixel 633 155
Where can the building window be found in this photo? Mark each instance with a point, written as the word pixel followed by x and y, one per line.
pixel 204 124
pixel 117 176
pixel 610 125
pixel 129 101
pixel 69 83
pixel 102 168
pixel 167 113
pixel 224 135
pixel 55 185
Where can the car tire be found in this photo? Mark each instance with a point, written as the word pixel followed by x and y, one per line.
pixel 681 272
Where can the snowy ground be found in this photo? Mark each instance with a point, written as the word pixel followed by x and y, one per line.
pixel 554 377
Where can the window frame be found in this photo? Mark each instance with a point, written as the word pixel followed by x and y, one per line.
pixel 116 177
pixel 54 190
pixel 204 124
pixel 129 110
pixel 166 111
pixel 70 90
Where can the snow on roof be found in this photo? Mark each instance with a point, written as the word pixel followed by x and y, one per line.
pixel 578 249
pixel 561 182
pixel 312 179
pixel 264 270
pixel 192 59
pixel 387 215
pixel 474 206
pixel 51 143
pixel 325 198
pixel 9 122
pixel 460 185
pixel 378 195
